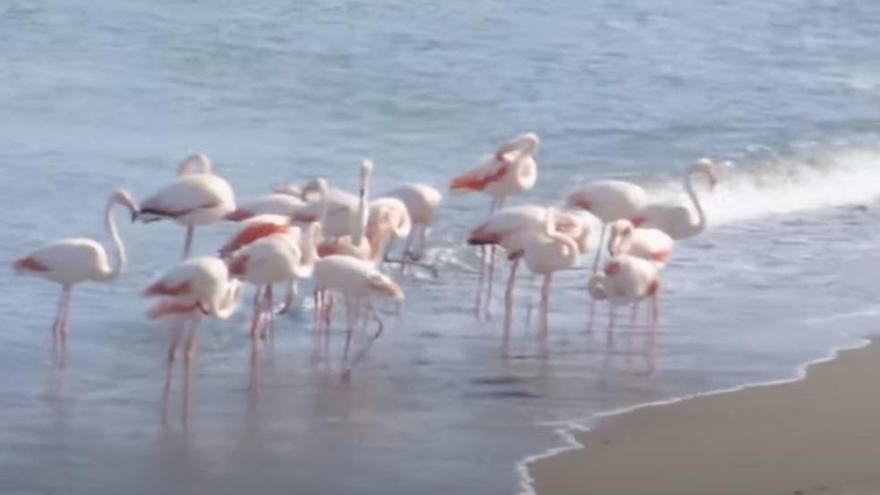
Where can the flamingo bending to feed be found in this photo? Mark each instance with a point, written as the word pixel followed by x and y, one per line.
pixel 626 280
pixel 358 282
pixel 545 253
pixel 511 227
pixel 650 244
pixel 677 220
pixel 283 257
pixel 71 261
pixel 196 197
pixel 608 200
pixel 195 287
pixel 422 201
pixel 511 170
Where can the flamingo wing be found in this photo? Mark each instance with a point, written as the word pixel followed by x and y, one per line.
pixel 250 233
pixel 478 178
pixel 186 194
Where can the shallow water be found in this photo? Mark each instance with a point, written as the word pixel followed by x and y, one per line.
pixel 113 94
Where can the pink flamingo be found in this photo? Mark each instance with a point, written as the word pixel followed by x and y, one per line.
pixel 196 197
pixel 510 170
pixel 545 253
pixel 626 280
pixel 71 261
pixel 358 282
pixel 511 227
pixel 193 288
pixel 608 200
pixel 677 220
pixel 650 244
pixel 340 212
pixel 422 201
pixel 283 257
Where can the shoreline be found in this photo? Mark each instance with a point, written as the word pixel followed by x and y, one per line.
pixel 585 464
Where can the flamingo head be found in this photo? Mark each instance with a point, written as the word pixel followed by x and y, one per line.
pixel 123 197
pixel 366 170
pixel 197 163
pixel 621 231
pixel 708 167
pixel 383 285
pixel 317 186
pixel 529 142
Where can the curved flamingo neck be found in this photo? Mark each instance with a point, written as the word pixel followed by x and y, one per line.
pixel 701 215
pixel 309 252
pixel 224 308
pixel 118 247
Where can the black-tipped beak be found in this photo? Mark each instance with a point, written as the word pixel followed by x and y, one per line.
pixel 134 216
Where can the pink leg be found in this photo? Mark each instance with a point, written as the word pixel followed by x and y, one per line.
pixel 188 357
pixel 346 373
pixel 268 312
pixel 254 383
pixel 611 315
pixel 491 281
pixel 176 334
pixel 56 326
pixel 508 304
pixel 187 243
pixel 258 313
pixel 479 305
pixel 65 312
pixel 351 309
pixel 545 307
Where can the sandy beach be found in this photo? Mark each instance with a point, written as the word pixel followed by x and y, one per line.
pixel 819 435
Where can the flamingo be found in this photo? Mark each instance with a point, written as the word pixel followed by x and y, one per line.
pixel 193 288
pixel 626 280
pixel 283 257
pixel 650 244
pixel 545 253
pixel 71 261
pixel 358 281
pixel 511 170
pixel 607 200
pixel 196 197
pixel 268 204
pixel 510 228
pixel 341 213
pixel 422 201
pixel 677 220
pixel 387 219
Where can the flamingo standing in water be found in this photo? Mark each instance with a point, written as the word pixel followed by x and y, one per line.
pixel 71 261
pixel 511 227
pixel 196 197
pixel 511 170
pixel 545 253
pixel 607 200
pixel 358 281
pixel 650 244
pixel 194 288
pixel 422 201
pixel 626 280
pixel 283 257
pixel 677 220
pixel 340 212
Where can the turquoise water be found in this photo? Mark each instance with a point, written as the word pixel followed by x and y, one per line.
pixel 107 94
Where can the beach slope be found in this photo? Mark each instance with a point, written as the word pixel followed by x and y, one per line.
pixel 820 435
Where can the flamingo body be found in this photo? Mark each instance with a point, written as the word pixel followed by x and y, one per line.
pixel 646 243
pixel 268 204
pixel 609 200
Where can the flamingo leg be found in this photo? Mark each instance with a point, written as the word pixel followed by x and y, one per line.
pixel 257 315
pixel 351 318
pixel 269 312
pixel 380 326
pixel 188 357
pixel 491 280
pixel 424 230
pixel 508 304
pixel 611 315
pixel 290 299
pixel 545 308
pixel 187 242
pixel 176 335
pixel 599 247
pixel 479 303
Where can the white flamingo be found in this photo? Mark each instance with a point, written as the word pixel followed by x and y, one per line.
pixel 196 197
pixel 650 244
pixel 678 220
pixel 193 288
pixel 510 227
pixel 71 261
pixel 358 282
pixel 626 280
pixel 422 201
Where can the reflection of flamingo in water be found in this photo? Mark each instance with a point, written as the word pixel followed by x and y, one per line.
pixel 358 281
pixel 195 287
pixel 196 197
pixel 677 220
pixel 511 170
pixel 71 261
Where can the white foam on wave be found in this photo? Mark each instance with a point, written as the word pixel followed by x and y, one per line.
pixel 785 186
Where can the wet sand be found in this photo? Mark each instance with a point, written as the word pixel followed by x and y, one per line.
pixel 820 435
